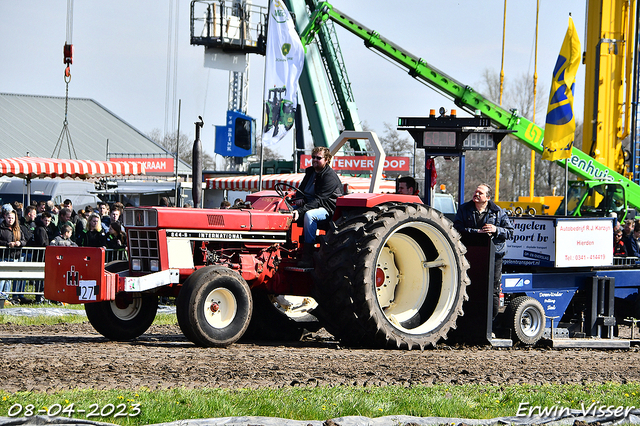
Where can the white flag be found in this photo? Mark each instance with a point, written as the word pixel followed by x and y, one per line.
pixel 284 62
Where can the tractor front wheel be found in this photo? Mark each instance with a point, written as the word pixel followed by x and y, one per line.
pixel 214 307
pixel 125 318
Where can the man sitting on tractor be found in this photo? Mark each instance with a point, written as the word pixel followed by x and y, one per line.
pixel 321 187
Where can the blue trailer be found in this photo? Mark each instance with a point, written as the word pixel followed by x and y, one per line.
pixel 561 281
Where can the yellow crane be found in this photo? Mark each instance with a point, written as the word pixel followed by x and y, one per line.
pixel 608 60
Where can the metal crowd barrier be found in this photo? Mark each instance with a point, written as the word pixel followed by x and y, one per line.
pixel 27 264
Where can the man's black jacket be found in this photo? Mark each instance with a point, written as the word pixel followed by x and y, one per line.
pixel 327 190
pixel 465 221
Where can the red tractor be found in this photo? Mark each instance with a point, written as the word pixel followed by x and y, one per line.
pixel 389 271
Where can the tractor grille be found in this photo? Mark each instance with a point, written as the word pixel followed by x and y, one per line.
pixel 143 245
pixel 141 217
pixel 215 220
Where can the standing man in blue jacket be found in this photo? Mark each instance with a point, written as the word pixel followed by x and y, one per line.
pixel 483 216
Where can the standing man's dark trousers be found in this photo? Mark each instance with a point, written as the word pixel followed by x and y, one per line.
pixel 497 277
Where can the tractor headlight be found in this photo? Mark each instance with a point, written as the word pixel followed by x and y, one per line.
pixel 136 264
pixel 154 265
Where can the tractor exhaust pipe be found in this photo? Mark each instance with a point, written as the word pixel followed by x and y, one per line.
pixel 196 165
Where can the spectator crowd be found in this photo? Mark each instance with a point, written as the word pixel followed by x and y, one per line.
pixel 625 239
pixel 44 223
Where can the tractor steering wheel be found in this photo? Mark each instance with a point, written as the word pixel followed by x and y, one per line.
pixel 280 189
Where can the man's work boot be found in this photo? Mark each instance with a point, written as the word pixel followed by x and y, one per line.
pixel 307 256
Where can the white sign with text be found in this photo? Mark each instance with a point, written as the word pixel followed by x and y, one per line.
pixel 586 242
pixel 533 242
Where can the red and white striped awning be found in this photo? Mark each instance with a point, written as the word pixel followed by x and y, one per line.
pixel 250 183
pixel 34 167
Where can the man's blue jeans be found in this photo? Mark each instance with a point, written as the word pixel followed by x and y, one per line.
pixel 311 219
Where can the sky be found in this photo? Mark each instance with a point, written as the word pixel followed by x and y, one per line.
pixel 121 47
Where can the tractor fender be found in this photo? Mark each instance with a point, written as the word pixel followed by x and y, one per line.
pixel 369 200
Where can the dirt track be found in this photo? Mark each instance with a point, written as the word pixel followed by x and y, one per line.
pixel 75 356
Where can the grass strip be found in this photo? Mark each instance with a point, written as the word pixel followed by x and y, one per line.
pixel 160 319
pixel 145 406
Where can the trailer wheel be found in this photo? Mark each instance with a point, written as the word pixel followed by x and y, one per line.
pixel 526 316
pixel 125 318
pixel 214 307
pixel 391 276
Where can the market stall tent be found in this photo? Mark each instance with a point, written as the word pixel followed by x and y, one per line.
pixel 34 167
pixel 251 183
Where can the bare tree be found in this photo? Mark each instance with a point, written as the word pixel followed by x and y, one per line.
pixel 185 147
pixel 394 143
pixel 269 154
pixel 397 144
pixel 515 162
pixel 481 166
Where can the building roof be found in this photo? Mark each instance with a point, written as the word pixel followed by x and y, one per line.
pixel 34 124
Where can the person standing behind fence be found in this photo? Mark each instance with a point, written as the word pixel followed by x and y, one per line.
pixel 619 249
pixel 631 241
pixel 117 238
pixel 94 235
pixel 78 225
pixel 103 212
pixel 41 207
pixel 18 207
pixel 64 239
pixel 81 222
pixel 84 219
pixel 12 238
pixel 27 228
pixel 42 235
pixel 64 218
pixel 115 215
pixel 29 220
pixel 51 207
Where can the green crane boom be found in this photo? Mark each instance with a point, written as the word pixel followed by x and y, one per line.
pixel 527 132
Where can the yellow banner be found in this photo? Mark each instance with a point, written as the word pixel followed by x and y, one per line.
pixel 560 125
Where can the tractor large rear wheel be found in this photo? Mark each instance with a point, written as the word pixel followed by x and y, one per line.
pixel 393 276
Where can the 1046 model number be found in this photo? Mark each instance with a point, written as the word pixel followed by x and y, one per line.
pixel 94 410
